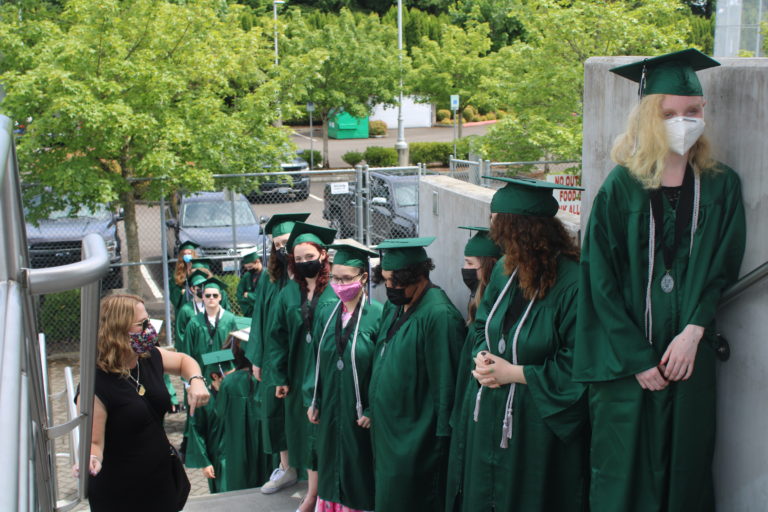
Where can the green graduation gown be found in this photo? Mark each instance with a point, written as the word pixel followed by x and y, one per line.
pixel 204 432
pixel 272 408
pixel 243 461
pixel 411 396
pixel 248 283
pixel 199 341
pixel 345 456
pixel 544 467
pixel 652 450
pixel 183 316
pixel 289 346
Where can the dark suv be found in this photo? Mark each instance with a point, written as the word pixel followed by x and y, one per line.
pixel 57 240
pixel 280 188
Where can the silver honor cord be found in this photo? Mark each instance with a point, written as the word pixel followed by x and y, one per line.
pixel 358 401
pixel 313 406
pixel 479 395
pixel 652 258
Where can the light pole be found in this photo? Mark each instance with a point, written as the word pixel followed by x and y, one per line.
pixel 279 121
pixel 401 146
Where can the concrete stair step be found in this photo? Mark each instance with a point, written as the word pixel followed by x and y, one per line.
pixel 250 500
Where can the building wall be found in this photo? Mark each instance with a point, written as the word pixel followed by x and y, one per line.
pixel 415 115
pixel 737 123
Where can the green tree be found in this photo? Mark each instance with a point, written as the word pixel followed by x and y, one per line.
pixel 540 81
pixel 454 65
pixel 501 16
pixel 119 90
pixel 356 63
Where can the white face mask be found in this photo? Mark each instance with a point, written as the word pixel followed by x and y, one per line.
pixel 683 132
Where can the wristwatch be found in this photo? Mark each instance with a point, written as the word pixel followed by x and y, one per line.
pixel 189 380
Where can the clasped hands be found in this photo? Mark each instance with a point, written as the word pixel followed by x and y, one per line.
pixel 677 362
pixel 493 371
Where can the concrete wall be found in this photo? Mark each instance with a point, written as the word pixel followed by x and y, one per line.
pixel 737 123
pixel 444 204
pixel 415 115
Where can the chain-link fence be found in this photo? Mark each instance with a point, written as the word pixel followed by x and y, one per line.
pixel 368 205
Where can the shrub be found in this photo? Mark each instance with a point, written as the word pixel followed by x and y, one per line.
pixel 377 128
pixel 316 155
pixel 430 152
pixel 490 116
pixel 469 113
pixel 231 281
pixel 443 115
pixel 377 156
pixel 352 157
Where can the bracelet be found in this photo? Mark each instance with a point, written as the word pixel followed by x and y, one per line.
pixel 196 377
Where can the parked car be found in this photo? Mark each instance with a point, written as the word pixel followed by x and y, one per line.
pixel 283 187
pixel 391 212
pixel 57 240
pixel 206 218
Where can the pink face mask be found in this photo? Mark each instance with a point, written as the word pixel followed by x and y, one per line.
pixel 347 292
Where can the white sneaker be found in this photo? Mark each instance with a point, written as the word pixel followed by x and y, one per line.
pixel 279 479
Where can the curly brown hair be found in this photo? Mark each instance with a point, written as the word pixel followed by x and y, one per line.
pixel 274 268
pixel 113 347
pixel 485 271
pixel 183 269
pixel 532 245
pixel 322 276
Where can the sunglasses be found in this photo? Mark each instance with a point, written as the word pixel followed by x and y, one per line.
pixel 211 295
pixel 144 324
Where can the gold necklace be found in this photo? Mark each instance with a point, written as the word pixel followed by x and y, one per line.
pixel 139 387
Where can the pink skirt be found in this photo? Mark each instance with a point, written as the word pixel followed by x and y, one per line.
pixel 329 506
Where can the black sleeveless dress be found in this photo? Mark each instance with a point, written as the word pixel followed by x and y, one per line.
pixel 136 473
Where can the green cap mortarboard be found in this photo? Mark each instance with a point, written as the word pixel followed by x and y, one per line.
pixel 303 232
pixel 401 253
pixel 214 283
pixel 219 356
pixel 526 196
pixel 198 277
pixel 201 263
pixel 252 256
pixel 189 244
pixel 282 223
pixel 671 73
pixel 243 328
pixel 481 244
pixel 352 255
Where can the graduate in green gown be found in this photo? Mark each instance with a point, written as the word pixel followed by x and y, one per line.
pixel 346 331
pixel 272 408
pixel 290 343
pixel 189 310
pixel 177 284
pixel 208 331
pixel 480 256
pixel 413 383
pixel 665 238
pixel 246 287
pixel 525 420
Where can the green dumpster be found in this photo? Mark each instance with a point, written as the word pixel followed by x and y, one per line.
pixel 343 125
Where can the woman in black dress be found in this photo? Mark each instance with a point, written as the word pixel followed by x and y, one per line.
pixel 130 465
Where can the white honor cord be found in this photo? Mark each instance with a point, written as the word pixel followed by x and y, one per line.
pixel 317 356
pixel 358 402
pixel 479 395
pixel 651 253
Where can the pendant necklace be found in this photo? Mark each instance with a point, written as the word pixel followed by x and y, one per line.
pixel 140 390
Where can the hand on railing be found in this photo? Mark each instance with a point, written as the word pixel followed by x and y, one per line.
pixel 94 467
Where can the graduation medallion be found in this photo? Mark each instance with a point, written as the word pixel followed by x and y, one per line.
pixel 140 390
pixel 667 283
pixel 502 345
pixel 340 364
pixel 309 338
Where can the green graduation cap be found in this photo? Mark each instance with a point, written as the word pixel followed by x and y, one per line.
pixel 352 255
pixel 303 232
pixel 198 277
pixel 282 223
pixel 243 328
pixel 400 253
pixel 671 73
pixel 214 283
pixel 526 196
pixel 481 244
pixel 252 256
pixel 201 263
pixel 219 356
pixel 189 244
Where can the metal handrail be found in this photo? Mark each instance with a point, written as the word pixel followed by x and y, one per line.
pixel 93 267
pixel 744 283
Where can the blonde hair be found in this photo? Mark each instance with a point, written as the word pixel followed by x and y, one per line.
pixel 116 316
pixel 643 147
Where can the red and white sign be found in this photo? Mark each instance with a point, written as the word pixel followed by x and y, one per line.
pixel 569 200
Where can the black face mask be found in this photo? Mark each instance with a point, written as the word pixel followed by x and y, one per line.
pixel 469 276
pixel 199 294
pixel 310 268
pixel 282 255
pixel 397 296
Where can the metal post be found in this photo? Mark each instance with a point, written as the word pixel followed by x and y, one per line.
pixel 279 120
pixel 452 165
pixel 166 277
pixel 311 143
pixel 359 203
pixel 367 210
pixel 232 196
pixel 455 131
pixel 401 146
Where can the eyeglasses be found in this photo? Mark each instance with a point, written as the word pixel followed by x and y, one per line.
pixel 211 295
pixel 345 279
pixel 144 324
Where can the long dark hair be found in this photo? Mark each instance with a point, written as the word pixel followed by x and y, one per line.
pixel 274 268
pixel 532 244
pixel 486 269
pixel 322 276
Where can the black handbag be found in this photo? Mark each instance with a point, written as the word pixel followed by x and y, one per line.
pixel 179 478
